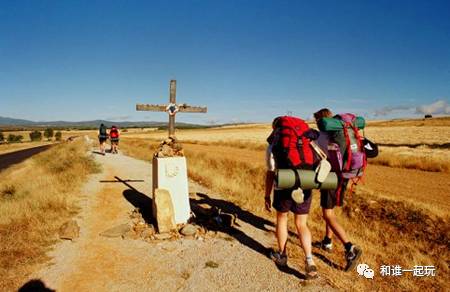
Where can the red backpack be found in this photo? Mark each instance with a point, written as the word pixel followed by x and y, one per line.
pixel 114 133
pixel 290 147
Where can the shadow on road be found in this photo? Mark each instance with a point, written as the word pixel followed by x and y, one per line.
pixel 140 201
pixel 136 198
pixel 35 285
pixel 232 208
pixel 199 208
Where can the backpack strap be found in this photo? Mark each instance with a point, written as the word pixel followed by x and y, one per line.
pixel 345 127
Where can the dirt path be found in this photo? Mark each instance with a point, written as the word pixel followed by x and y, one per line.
pixel 96 263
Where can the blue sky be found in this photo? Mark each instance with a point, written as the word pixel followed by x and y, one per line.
pixel 245 60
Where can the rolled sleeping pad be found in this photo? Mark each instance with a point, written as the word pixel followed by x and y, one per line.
pixel 333 124
pixel 285 179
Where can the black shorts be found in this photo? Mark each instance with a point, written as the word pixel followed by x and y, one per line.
pixel 101 140
pixel 114 140
pixel 283 202
pixel 329 198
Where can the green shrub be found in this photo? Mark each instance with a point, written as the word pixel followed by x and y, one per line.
pixel 48 133
pixel 58 136
pixel 36 135
pixel 14 138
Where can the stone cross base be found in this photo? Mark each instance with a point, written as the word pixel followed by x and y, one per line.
pixel 171 174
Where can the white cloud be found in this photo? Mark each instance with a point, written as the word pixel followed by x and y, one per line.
pixel 384 111
pixel 437 107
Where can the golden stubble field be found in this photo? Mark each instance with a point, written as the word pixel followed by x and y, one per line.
pixel 399 216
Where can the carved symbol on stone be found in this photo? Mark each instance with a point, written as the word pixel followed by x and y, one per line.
pixel 172 170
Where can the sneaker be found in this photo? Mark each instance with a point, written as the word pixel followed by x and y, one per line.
pixel 326 246
pixel 352 256
pixel 278 258
pixel 311 271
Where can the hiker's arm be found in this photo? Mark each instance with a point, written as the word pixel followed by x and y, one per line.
pixel 269 185
pixel 270 175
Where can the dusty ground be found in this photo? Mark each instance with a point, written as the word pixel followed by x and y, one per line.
pixel 95 263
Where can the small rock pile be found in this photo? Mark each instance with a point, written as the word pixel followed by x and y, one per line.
pixel 147 232
pixel 205 223
pixel 213 218
pixel 170 147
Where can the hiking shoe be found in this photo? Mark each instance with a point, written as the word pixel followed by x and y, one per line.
pixel 352 256
pixel 278 258
pixel 326 246
pixel 311 271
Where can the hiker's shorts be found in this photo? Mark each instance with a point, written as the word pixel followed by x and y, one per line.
pixel 115 140
pixel 101 140
pixel 329 198
pixel 283 202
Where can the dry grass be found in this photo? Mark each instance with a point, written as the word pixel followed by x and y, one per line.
pixel 36 197
pixel 423 158
pixel 398 233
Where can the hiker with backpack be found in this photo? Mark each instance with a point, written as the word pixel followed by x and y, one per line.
pixel 114 137
pixel 102 137
pixel 289 148
pixel 340 139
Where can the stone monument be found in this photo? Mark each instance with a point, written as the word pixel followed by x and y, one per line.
pixel 169 164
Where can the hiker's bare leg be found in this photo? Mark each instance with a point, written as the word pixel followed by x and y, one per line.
pixel 303 232
pixel 336 228
pixel 328 231
pixel 305 238
pixel 281 230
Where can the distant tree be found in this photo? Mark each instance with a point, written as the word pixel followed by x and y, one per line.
pixel 35 135
pixel 19 138
pixel 14 138
pixel 58 136
pixel 2 137
pixel 48 133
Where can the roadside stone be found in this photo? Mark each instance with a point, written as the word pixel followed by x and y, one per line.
pixel 130 234
pixel 167 151
pixel 189 230
pixel 136 214
pixel 147 233
pixel 116 231
pixel 163 208
pixel 163 236
pixel 69 230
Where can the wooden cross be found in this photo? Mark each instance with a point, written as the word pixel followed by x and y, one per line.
pixel 172 108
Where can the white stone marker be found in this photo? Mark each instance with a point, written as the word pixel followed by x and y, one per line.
pixel 171 174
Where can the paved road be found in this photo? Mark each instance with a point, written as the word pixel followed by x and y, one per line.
pixel 8 159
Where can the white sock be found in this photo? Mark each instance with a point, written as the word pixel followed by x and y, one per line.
pixel 309 260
